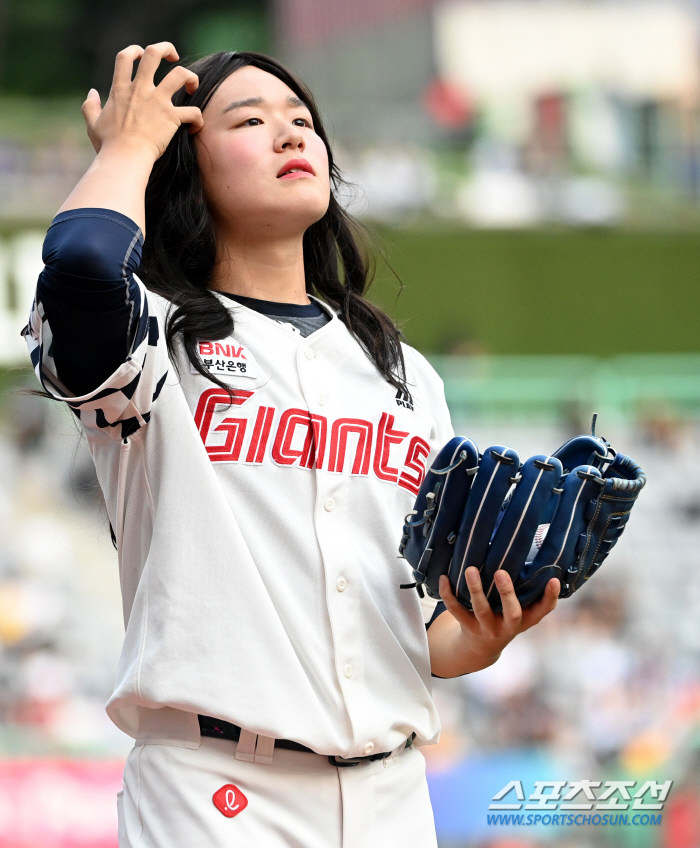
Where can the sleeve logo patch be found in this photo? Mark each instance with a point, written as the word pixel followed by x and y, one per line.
pixel 229 800
pixel 226 359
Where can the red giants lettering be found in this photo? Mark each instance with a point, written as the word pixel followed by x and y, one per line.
pixel 261 433
pixel 301 436
pixel 314 443
pixel 339 436
pixel 418 451
pixel 234 428
pixel 230 451
pixel 386 437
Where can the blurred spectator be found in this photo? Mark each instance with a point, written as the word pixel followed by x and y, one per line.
pixel 60 613
pixel 394 184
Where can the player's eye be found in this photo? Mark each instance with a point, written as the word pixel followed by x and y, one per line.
pixel 303 122
pixel 252 122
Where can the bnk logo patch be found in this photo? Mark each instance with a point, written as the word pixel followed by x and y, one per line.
pixel 229 800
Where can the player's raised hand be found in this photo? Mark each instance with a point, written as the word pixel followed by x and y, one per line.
pixel 139 114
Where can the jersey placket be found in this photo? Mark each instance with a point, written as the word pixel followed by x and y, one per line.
pixel 340 572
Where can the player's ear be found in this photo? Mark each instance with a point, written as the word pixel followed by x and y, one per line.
pixel 92 109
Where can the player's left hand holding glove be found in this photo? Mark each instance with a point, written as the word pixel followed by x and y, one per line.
pixel 499 541
pixel 553 516
pixel 472 639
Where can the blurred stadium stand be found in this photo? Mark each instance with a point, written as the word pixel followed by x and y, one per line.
pixel 578 112
pixel 498 114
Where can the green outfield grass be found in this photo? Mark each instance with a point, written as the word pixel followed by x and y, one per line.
pixel 536 292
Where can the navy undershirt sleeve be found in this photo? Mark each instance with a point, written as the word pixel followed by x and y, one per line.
pixel 89 294
pixel 440 608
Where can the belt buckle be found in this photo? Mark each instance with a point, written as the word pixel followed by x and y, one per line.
pixel 341 762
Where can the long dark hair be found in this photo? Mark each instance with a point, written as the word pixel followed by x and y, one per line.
pixel 180 246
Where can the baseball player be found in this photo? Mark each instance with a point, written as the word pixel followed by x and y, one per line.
pixel 259 433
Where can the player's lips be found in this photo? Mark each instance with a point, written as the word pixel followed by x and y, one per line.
pixel 295 168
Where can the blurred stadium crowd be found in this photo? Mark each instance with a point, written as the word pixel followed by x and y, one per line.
pixel 60 627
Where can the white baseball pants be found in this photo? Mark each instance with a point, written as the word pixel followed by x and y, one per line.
pixel 298 801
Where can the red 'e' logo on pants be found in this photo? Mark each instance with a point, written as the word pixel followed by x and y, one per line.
pixel 229 800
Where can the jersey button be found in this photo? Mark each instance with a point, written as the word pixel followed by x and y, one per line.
pixel 321 399
pixel 340 584
pixel 329 505
pixel 367 750
pixel 309 353
pixel 347 671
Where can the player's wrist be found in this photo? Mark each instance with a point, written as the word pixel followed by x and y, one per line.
pixel 456 650
pixel 475 652
pixel 456 660
pixel 133 153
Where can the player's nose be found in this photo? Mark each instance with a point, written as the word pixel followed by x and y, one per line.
pixel 290 138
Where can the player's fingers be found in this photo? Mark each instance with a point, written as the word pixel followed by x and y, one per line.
pixel 454 607
pixel 124 65
pixel 151 59
pixel 92 109
pixel 176 79
pixel 537 611
pixel 512 611
pixel 190 115
pixel 482 608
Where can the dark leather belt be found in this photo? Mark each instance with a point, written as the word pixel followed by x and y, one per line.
pixel 218 729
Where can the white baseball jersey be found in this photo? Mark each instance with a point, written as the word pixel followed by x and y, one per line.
pixel 258 540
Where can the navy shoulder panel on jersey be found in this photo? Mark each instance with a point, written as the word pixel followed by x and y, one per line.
pixel 88 293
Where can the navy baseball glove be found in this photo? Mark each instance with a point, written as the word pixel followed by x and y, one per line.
pixel 552 516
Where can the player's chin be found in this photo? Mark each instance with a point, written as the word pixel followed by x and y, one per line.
pixel 304 206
